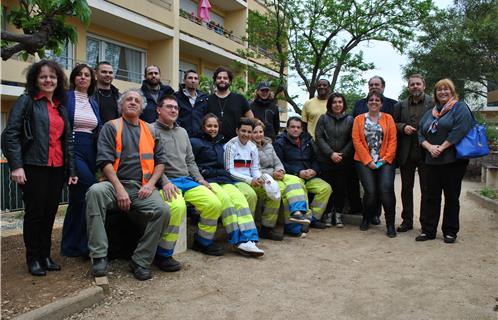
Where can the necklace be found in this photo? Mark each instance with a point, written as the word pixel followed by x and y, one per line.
pixel 222 107
pixel 103 95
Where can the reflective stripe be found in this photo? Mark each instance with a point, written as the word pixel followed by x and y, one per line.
pixel 316 204
pixel 294 186
pixel 205 234
pixel 167 244
pixel 247 226
pixel 296 198
pixel 244 212
pixel 231 227
pixel 172 229
pixel 148 156
pixel 208 222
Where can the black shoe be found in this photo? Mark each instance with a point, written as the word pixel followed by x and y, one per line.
pixel 50 265
pixel 317 224
pixel 36 268
pixel 404 228
pixel 294 235
pixel 270 233
pixel 365 224
pixel 423 237
pixel 391 232
pixel 375 220
pixel 305 228
pixel 211 250
pixel 168 264
pixel 99 267
pixel 139 272
pixel 449 239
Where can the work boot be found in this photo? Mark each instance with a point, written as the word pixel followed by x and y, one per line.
pixel 99 267
pixel 212 250
pixel 167 264
pixel 317 224
pixel 139 272
pixel 270 233
pixel 338 220
pixel 365 223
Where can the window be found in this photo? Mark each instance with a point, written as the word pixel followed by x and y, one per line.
pixel 65 58
pixel 128 62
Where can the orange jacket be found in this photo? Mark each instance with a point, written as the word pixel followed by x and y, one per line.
pixel 388 148
pixel 145 148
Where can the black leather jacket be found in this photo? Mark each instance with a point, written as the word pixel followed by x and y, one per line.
pixel 35 152
pixel 333 134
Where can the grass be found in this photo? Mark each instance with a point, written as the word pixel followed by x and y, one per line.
pixel 489 193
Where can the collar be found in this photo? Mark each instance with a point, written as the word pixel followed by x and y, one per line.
pixel 187 93
pixel 40 96
pixel 165 126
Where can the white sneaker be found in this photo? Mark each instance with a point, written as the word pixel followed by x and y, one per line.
pixel 250 248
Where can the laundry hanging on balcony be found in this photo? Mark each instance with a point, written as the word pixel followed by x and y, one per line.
pixel 203 10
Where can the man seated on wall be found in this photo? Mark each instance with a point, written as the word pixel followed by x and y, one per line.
pixel 295 149
pixel 182 182
pixel 132 161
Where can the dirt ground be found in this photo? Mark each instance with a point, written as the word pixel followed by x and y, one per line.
pixel 330 274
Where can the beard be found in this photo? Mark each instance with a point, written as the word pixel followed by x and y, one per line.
pixel 417 94
pixel 222 86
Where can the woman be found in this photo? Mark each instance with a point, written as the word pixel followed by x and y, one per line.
pixel 439 130
pixel 374 140
pixel 335 155
pixel 40 161
pixel 84 118
pixel 209 156
pixel 293 194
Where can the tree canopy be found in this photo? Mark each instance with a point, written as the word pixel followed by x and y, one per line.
pixel 460 43
pixel 44 26
pixel 319 37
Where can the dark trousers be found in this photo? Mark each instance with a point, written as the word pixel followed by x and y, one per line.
pixel 74 241
pixel 445 178
pixel 407 183
pixel 378 184
pixel 354 187
pixel 41 194
pixel 338 178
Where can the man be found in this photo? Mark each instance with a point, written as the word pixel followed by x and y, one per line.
pixel 228 106
pixel 242 162
pixel 132 160
pixel 295 150
pixel 265 109
pixel 193 104
pixel 407 115
pixel 182 182
pixel 316 106
pixel 106 94
pixel 375 84
pixel 153 90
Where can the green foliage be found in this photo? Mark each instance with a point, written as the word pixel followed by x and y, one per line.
pixel 489 193
pixel 460 43
pixel 44 25
pixel 320 36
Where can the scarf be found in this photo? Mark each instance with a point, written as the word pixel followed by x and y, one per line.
pixel 438 114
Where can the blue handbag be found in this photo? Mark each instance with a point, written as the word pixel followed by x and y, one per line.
pixel 475 142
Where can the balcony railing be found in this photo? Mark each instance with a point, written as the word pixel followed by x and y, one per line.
pixel 216 28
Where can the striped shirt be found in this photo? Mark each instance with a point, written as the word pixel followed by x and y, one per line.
pixel 242 160
pixel 84 117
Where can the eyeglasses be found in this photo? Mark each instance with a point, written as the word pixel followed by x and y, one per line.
pixel 171 107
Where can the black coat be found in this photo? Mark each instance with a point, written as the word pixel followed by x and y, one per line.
pixel 296 158
pixel 191 118
pixel 150 114
pixel 209 156
pixel 333 134
pixel 34 153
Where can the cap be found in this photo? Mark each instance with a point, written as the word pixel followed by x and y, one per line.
pixel 263 85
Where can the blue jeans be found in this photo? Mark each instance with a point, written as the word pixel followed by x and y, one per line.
pixel 378 184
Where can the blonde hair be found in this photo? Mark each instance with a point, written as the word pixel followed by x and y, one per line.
pixel 445 83
pixel 260 123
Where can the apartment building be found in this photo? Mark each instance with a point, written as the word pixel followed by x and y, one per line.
pixel 134 33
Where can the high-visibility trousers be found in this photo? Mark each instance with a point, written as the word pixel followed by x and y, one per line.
pixel 235 214
pixel 206 203
pixel 269 215
pixel 317 186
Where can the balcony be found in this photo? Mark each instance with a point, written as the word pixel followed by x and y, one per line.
pixel 212 26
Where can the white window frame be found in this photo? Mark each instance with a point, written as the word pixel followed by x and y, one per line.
pixel 124 45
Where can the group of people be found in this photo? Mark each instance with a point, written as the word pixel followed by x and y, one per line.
pixel 157 150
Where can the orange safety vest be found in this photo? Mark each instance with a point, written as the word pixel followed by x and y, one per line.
pixel 145 148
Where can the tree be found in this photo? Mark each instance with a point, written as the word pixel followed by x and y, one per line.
pixel 460 43
pixel 44 26
pixel 321 35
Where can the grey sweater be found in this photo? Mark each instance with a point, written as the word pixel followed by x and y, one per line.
pixel 268 159
pixel 129 165
pixel 180 160
pixel 453 126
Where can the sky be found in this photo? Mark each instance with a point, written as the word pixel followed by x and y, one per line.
pixel 388 62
